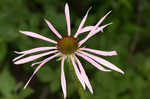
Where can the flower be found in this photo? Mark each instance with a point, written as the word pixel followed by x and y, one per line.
pixel 69 46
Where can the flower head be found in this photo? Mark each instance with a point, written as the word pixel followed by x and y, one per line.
pixel 69 46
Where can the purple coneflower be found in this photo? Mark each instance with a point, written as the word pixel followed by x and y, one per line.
pixel 69 46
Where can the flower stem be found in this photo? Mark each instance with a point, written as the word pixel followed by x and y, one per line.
pixel 80 88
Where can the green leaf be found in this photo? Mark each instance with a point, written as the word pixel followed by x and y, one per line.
pixel 3 50
pixel 25 92
pixel 45 74
pixel 7 82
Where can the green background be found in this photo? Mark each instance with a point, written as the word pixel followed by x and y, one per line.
pixel 129 35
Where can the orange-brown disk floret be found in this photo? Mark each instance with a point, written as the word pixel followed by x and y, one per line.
pixel 67 45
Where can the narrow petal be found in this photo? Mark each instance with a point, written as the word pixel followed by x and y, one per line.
pixel 99 52
pixel 93 32
pixel 35 64
pixel 63 79
pixel 93 62
pixel 34 57
pixel 35 35
pixel 67 14
pixel 32 51
pixel 102 19
pixel 100 29
pixel 94 29
pixel 53 29
pixel 43 62
pixel 85 29
pixel 38 62
pixel 82 23
pixel 84 76
pixel 36 50
pixel 78 73
pixel 18 57
pixel 103 62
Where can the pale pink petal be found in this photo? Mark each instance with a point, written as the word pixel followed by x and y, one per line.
pixel 42 63
pixel 63 79
pixel 100 29
pixel 86 29
pixel 34 57
pixel 99 52
pixel 67 14
pixel 35 64
pixel 93 62
pixel 84 19
pixel 103 62
pixel 101 20
pixel 32 51
pixel 35 35
pixel 18 57
pixel 84 76
pixel 82 23
pixel 53 29
pixel 94 30
pixel 36 50
pixel 78 73
pixel 90 28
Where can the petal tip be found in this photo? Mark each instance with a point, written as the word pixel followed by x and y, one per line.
pixel 16 63
pixel 90 8
pixel 45 19
pixel 24 87
pixel 115 53
pixel 23 32
pixel 110 11
pixel 92 92
pixel 16 52
pixel 66 5
pixel 122 72
pixel 20 31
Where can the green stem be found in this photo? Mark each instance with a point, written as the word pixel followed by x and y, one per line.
pixel 80 88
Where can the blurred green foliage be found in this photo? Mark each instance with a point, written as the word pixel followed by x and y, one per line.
pixel 128 35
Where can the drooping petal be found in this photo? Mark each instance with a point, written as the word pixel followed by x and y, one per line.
pixel 36 50
pixel 93 62
pixel 53 29
pixel 78 73
pixel 84 76
pixel 85 29
pixel 100 29
pixel 43 62
pixel 63 79
pixel 94 29
pixel 99 52
pixel 35 35
pixel 93 32
pixel 34 57
pixel 67 14
pixel 103 62
pixel 82 23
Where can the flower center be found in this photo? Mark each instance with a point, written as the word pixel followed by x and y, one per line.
pixel 67 45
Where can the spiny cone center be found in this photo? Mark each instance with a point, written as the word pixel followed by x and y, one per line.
pixel 67 45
